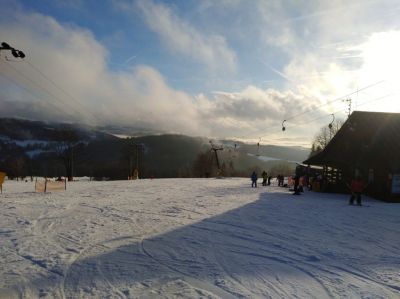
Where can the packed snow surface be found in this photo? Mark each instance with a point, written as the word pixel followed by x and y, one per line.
pixel 194 238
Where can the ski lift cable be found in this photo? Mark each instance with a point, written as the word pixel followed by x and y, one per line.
pixel 335 100
pixel 343 110
pixel 43 89
pixel 13 81
pixel 284 126
pixel 57 86
pixel 19 54
pixel 377 99
pixel 31 81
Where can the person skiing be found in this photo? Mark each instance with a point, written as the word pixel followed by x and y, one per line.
pixel 269 180
pixel 265 177
pixel 254 179
pixel 296 185
pixel 356 188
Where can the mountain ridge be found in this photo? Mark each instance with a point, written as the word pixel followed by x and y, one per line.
pixel 101 153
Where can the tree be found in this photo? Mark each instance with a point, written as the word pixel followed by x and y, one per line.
pixel 16 167
pixel 130 154
pixel 203 165
pixel 66 141
pixel 324 136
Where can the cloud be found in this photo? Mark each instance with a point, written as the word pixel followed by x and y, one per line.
pixel 66 75
pixel 140 96
pixel 182 38
pixel 324 51
pixel 253 113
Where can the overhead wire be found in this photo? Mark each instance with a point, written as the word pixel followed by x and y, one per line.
pixel 330 114
pixel 377 99
pixel 45 90
pixel 40 87
pixel 57 86
pixel 51 103
pixel 335 100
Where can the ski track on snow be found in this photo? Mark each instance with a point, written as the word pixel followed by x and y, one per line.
pixel 194 238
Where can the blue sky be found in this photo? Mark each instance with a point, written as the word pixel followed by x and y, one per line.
pixel 225 69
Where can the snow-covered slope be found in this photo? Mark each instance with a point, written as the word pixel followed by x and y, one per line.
pixel 194 238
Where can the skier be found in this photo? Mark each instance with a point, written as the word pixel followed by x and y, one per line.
pixel 296 185
pixel 269 180
pixel 254 179
pixel 356 188
pixel 265 177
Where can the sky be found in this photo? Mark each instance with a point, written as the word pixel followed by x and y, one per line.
pixel 222 69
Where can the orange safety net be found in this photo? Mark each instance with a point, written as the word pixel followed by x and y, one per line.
pixel 2 177
pixel 49 186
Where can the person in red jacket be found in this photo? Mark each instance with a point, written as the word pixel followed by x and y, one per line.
pixel 356 188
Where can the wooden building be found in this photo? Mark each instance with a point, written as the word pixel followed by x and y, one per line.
pixel 368 144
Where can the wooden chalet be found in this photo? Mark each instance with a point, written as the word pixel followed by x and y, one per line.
pixel 368 144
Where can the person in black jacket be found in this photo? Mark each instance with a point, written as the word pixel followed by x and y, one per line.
pixel 254 179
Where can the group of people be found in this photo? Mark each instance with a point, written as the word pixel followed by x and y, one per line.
pixel 356 187
pixel 280 179
pixel 266 179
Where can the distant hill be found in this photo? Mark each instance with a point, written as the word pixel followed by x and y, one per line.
pixel 33 148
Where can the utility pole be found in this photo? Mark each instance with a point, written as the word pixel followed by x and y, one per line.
pixel 348 100
pixel 216 149
pixel 139 147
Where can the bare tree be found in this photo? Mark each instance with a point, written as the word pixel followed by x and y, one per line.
pixel 283 168
pixel 203 165
pixel 16 167
pixel 324 136
pixel 66 141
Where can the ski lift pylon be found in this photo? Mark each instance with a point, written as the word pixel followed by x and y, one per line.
pixel 258 147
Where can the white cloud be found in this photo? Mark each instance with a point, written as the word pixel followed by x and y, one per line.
pixel 85 90
pixel 184 39
pixel 140 96
pixel 90 92
pixel 330 49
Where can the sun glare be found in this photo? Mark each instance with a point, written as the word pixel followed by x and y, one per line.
pixel 381 63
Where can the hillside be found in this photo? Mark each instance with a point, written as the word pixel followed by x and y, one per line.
pixel 33 148
pixel 194 238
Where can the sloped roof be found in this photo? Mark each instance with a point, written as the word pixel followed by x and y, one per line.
pixel 366 138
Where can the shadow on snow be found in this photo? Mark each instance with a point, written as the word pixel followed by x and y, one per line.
pixel 280 246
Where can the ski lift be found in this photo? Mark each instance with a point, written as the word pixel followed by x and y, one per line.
pixel 234 151
pixel 216 149
pixel 283 127
pixel 258 147
pixel 331 124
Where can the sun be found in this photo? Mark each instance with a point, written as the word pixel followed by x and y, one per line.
pixel 381 63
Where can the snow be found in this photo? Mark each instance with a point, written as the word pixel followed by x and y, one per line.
pixel 268 159
pixel 264 158
pixel 194 238
pixel 36 152
pixel 24 143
